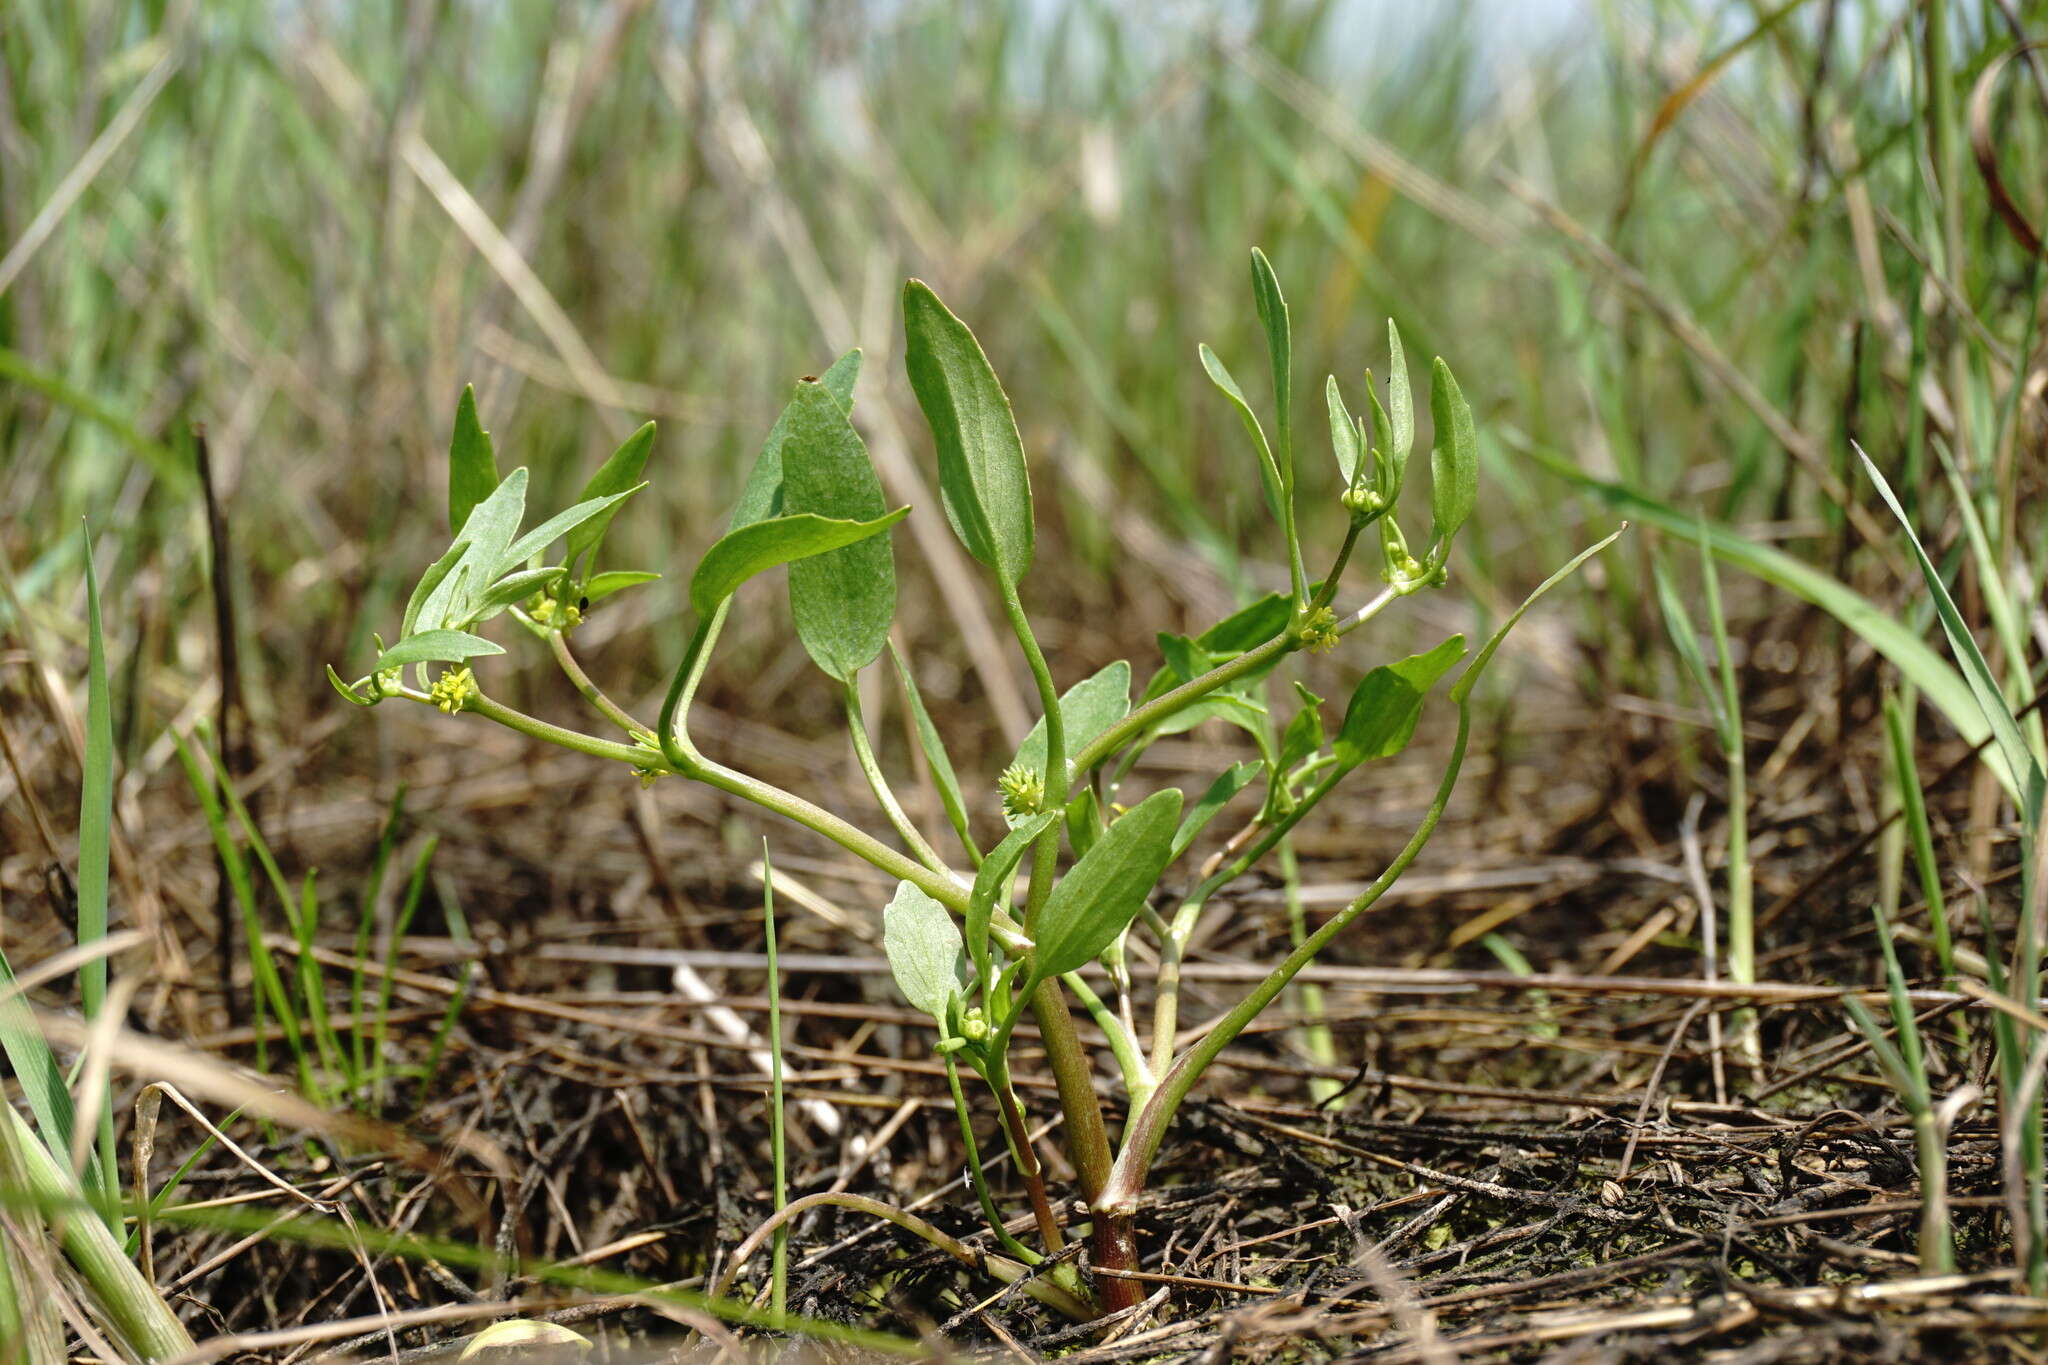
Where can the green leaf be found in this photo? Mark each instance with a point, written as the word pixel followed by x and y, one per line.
pixel 1250 626
pixel 843 600
pixel 556 526
pixel 605 584
pixel 436 573
pixel 923 946
pixel 1269 470
pixel 1227 785
pixel 992 881
pixel 1280 350
pixel 1678 622
pixel 34 1066
pixel 512 588
pixel 1082 824
pixel 1103 892
pixel 616 475
pixel 983 480
pixel 1400 414
pixel 1387 702
pixel 472 465
pixel 761 497
pixel 1454 463
pixel 935 755
pixel 489 532
pixel 1990 698
pixel 1304 733
pixel 1343 431
pixel 435 646
pixel 1245 712
pixel 1087 709
pixel 761 545
pixel 1185 659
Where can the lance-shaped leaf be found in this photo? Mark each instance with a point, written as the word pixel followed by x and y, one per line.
pixel 1454 463
pixel 1304 733
pixel 1387 702
pixel 1269 471
pixel 943 776
pixel 488 532
pixel 610 581
pixel 983 481
pixel 1087 709
pixel 1280 349
pixel 1228 784
pixel 472 464
pixel 761 545
pixel 616 475
pixel 558 525
pixel 923 946
pixel 436 646
pixel 1400 423
pixel 842 600
pixel 1343 431
pixel 1103 892
pixel 436 574
pixel 993 880
pixel 761 497
pixel 512 588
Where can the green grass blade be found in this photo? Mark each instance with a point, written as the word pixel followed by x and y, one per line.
pixel 95 855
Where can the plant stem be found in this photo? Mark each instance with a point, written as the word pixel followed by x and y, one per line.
pixel 1027 1158
pixel 864 754
pixel 777 1142
pixel 1180 698
pixel 1330 580
pixel 535 728
pixel 1148 1128
pixel 977 1177
pixel 1130 1060
pixel 558 643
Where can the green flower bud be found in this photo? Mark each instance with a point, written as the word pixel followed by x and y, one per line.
pixel 1318 632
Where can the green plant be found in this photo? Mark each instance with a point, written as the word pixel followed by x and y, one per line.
pixel 1092 856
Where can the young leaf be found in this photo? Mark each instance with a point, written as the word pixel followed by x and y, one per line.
pixel 1304 733
pixel 935 754
pixel 1083 825
pixel 994 879
pixel 1087 709
pixel 1343 431
pixel 843 600
pixel 1249 627
pixel 616 475
pixel 556 526
pixel 983 481
pixel 489 532
pixel 435 575
pixel 923 946
pixel 472 465
pixel 435 646
pixel 1103 892
pixel 1280 349
pixel 605 584
pixel 1384 707
pixel 1454 463
pixel 1228 784
pixel 761 497
pixel 1269 470
pixel 512 588
pixel 760 546
pixel 1400 423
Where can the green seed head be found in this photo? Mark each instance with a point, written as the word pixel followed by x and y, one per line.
pixel 1023 790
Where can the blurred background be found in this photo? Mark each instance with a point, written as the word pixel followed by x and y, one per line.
pixel 1679 253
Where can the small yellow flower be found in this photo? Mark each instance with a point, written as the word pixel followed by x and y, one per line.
pixel 454 691
pixel 1318 633
pixel 560 615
